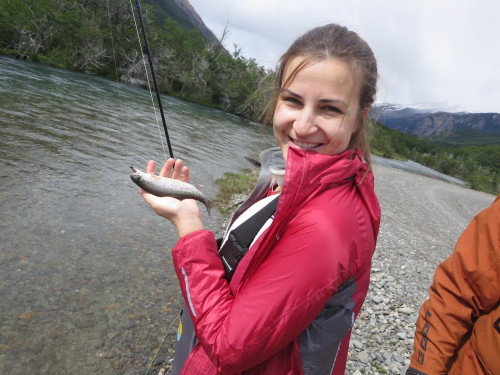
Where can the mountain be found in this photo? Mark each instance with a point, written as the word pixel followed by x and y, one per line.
pixel 446 128
pixel 182 12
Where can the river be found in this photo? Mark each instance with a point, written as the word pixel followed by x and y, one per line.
pixel 87 284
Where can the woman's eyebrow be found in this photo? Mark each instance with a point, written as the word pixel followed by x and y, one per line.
pixel 290 92
pixel 322 101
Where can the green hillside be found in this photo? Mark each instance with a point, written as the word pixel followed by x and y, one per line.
pixel 478 165
pixel 168 9
pixel 465 137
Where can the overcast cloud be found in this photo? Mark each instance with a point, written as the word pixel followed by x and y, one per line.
pixel 430 52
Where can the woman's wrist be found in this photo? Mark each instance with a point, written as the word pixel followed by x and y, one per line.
pixel 187 225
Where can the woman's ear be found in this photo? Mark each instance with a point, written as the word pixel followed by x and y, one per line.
pixel 365 112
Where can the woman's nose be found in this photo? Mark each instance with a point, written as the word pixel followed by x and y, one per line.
pixel 305 122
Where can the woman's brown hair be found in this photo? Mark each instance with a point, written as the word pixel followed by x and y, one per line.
pixel 336 42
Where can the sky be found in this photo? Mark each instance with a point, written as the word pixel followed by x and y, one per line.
pixel 442 54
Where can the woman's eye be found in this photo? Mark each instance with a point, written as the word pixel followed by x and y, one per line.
pixel 332 109
pixel 291 100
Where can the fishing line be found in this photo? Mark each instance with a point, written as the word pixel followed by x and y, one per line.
pixel 146 48
pixel 161 343
pixel 157 122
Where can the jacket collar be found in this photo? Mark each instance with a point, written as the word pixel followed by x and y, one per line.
pixel 309 171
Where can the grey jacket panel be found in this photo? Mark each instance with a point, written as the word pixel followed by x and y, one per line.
pixel 186 340
pixel 320 342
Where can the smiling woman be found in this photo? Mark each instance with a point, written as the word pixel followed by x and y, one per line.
pixel 278 294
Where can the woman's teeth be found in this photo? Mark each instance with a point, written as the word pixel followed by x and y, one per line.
pixel 306 145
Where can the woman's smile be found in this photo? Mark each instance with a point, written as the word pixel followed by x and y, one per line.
pixel 305 145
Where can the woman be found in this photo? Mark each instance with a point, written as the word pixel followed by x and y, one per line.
pixel 292 298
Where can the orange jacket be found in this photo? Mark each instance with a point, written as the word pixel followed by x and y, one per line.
pixel 458 328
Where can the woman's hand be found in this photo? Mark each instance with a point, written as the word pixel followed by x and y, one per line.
pixel 185 213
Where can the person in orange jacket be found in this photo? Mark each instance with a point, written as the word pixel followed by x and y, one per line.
pixel 458 328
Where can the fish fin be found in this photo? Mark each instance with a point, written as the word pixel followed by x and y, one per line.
pixel 208 204
pixel 133 169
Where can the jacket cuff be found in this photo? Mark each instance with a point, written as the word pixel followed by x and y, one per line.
pixel 193 236
pixel 195 244
pixel 412 371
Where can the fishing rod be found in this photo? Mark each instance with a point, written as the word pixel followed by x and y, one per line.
pixel 148 52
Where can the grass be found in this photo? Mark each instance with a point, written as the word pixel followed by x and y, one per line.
pixel 231 184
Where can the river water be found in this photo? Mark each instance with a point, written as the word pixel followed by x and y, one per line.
pixel 87 285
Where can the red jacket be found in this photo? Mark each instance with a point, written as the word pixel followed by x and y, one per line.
pixel 294 296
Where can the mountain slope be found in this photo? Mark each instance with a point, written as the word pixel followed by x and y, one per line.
pixel 182 12
pixel 460 128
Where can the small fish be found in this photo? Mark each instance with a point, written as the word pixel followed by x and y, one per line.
pixel 168 187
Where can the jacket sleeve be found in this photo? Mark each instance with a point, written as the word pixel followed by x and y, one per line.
pixel 465 286
pixel 276 304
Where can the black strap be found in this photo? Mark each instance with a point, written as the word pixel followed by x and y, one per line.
pixel 246 232
pixel 239 239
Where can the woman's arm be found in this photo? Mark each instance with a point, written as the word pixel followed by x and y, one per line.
pixel 275 305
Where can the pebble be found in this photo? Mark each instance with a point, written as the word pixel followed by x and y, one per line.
pixel 357 344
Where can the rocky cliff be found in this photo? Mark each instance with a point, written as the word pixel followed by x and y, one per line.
pixel 426 123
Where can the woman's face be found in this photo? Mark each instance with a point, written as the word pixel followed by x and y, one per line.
pixel 319 109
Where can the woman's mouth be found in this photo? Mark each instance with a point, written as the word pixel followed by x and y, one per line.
pixel 305 145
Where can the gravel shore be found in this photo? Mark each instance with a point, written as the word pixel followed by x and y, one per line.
pixel 421 220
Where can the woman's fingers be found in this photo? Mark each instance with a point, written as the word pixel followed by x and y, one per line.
pixel 171 169
pixel 176 172
pixel 151 167
pixel 167 168
pixel 185 174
